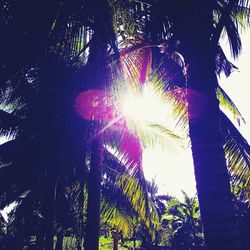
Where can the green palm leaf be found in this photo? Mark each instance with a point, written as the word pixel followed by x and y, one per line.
pixel 228 104
pixel 237 152
pixel 126 195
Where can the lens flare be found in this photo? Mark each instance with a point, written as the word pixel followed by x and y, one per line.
pixel 146 106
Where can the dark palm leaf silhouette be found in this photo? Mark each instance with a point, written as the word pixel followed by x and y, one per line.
pixel 38 107
pixel 47 126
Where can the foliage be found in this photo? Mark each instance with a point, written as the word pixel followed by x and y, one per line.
pixel 107 244
pixel 47 60
pixel 183 218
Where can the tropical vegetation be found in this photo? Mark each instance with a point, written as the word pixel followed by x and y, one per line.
pixel 71 166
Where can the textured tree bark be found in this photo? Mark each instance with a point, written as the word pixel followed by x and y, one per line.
pixel 94 195
pixel 59 241
pixel 80 218
pixel 212 179
pixel 98 79
pixel 115 240
pixel 48 244
pixel 193 26
pixel 49 218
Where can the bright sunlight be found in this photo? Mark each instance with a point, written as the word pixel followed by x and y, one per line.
pixel 170 165
pixel 147 106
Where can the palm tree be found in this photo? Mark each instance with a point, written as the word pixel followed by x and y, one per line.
pixel 40 174
pixel 124 210
pixel 212 180
pixel 41 85
pixel 195 28
pixel 33 110
pixel 184 220
pixel 79 21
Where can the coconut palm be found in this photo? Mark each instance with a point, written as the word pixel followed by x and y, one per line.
pixel 195 28
pixel 43 170
pixel 184 219
pixel 123 212
pixel 35 107
pixel 36 80
pixel 78 21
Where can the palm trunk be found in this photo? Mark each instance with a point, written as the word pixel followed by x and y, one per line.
pixel 80 217
pixel 49 238
pixel 49 235
pixel 212 179
pixel 40 239
pixel 98 79
pixel 94 196
pixel 59 240
pixel 134 239
pixel 115 240
pixel 49 219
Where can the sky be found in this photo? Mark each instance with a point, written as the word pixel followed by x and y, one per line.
pixel 173 169
pixel 237 85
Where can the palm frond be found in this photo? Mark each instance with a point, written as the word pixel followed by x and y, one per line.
pixel 237 152
pixel 136 61
pixel 123 222
pixel 116 209
pixel 177 98
pixel 19 169
pixel 9 124
pixel 122 167
pixel 229 105
pixel 9 101
pixel 69 36
pixel 157 134
pixel 127 150
pixel 223 11
pixel 233 37
pixel 130 17
pixel 132 187
pixel 158 27
pixel 153 99
pixel 222 64
pixel 241 14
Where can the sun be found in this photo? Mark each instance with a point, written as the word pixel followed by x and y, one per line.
pixel 171 166
pixel 146 105
pixel 145 112
pixel 132 107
